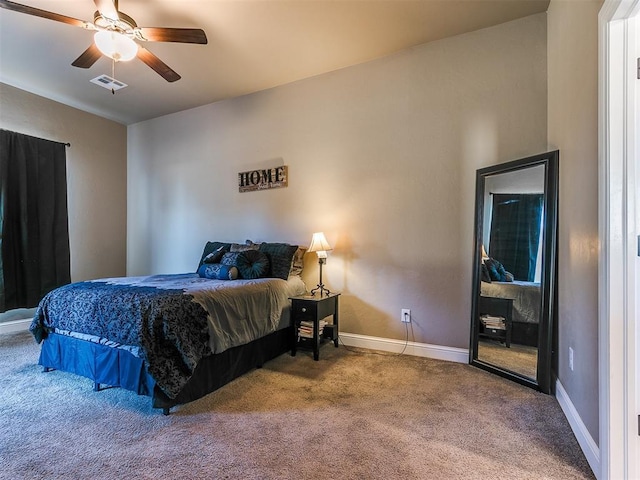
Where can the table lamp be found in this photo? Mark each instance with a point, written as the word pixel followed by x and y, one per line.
pixel 320 245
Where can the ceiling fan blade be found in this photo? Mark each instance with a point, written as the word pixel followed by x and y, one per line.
pixel 107 9
pixel 158 65
pixel 88 57
pixel 180 35
pixel 16 7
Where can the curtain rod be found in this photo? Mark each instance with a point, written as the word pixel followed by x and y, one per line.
pixel 67 144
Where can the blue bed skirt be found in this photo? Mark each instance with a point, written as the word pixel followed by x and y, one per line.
pixel 102 364
pixel 116 367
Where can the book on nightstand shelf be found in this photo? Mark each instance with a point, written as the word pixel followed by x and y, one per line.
pixel 490 321
pixel 305 330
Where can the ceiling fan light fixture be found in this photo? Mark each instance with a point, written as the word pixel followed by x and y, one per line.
pixel 115 45
pixel 115 35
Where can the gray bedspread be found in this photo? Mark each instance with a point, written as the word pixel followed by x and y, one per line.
pixel 525 295
pixel 238 311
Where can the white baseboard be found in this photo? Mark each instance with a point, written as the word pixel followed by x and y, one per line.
pixel 587 444
pixel 452 354
pixel 15 325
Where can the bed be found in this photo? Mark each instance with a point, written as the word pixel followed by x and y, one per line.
pixel 172 337
pixel 526 307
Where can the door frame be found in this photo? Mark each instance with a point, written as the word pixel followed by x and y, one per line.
pixel 619 327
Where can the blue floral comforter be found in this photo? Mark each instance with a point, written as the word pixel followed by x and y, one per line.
pixel 174 320
pixel 168 326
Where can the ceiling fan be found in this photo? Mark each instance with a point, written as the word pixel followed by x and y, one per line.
pixel 115 35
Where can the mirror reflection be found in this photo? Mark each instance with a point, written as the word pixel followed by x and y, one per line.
pixel 514 287
pixel 511 270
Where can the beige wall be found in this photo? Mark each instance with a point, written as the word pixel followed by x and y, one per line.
pixel 573 129
pixel 96 177
pixel 382 158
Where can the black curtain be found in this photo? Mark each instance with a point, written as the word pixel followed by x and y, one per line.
pixel 515 233
pixel 33 219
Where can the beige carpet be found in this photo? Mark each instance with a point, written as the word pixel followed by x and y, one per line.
pixel 352 415
pixel 521 359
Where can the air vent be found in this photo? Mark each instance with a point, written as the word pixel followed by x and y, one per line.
pixel 108 82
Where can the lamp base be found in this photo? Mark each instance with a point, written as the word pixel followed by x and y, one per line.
pixel 323 291
pixel 320 286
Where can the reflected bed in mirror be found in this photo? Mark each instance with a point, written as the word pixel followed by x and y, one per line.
pixel 514 269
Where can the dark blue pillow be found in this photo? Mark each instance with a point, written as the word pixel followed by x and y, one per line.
pixel 252 264
pixel 496 270
pixel 209 248
pixel 280 257
pixel 215 256
pixel 230 259
pixel 485 277
pixel 217 271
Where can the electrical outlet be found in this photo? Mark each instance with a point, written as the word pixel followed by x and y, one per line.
pixel 405 315
pixel 571 358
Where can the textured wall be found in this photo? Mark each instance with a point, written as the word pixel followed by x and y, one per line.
pixel 96 177
pixel 382 158
pixel 573 129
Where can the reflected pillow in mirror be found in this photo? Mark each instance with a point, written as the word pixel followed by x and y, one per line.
pixel 496 270
pixel 484 274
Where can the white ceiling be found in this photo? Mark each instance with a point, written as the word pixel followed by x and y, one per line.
pixel 253 45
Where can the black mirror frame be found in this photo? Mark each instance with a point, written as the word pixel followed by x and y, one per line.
pixel 543 381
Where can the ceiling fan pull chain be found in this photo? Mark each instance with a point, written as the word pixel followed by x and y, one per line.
pixel 113 74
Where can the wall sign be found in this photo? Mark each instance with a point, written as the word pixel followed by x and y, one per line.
pixel 264 179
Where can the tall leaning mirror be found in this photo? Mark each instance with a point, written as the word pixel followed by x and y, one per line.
pixel 514 269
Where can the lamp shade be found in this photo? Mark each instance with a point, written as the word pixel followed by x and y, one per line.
pixel 319 243
pixel 115 45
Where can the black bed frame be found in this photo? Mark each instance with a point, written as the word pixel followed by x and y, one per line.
pixel 525 333
pixel 217 370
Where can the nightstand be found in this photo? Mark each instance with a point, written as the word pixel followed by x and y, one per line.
pixel 308 315
pixel 498 308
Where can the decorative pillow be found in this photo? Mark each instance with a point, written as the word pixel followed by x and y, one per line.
pixel 501 271
pixel 218 271
pixel 215 256
pixel 298 261
pixel 252 264
pixel 243 247
pixel 211 247
pixel 280 258
pixel 496 270
pixel 230 259
pixel 485 277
